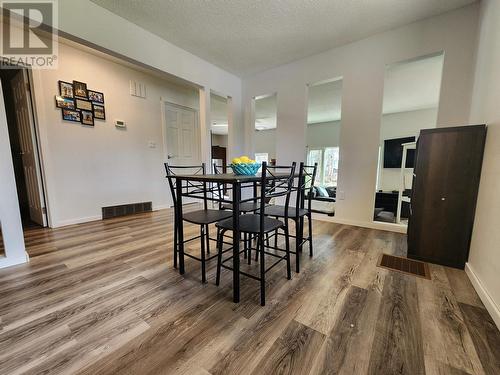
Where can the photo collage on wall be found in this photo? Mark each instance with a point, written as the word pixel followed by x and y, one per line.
pixel 79 104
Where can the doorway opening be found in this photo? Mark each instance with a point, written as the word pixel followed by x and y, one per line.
pixel 324 115
pixel 266 109
pixel 17 98
pixel 219 130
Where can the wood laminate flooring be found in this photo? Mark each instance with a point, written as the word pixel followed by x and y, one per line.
pixel 104 298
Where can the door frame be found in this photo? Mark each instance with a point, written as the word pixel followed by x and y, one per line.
pixel 36 139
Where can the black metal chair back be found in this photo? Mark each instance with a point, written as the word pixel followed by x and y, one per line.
pixel 221 187
pixel 305 186
pixel 276 181
pixel 174 171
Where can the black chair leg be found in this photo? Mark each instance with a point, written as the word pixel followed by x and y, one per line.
pixel 203 263
pixel 287 248
pixel 309 222
pixel 220 239
pixel 301 242
pixel 245 246
pixel 249 249
pixel 207 236
pixel 262 271
pixel 276 238
pixel 175 245
pixel 297 247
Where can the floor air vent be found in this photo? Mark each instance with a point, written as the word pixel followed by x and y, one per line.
pixel 405 265
pixel 126 209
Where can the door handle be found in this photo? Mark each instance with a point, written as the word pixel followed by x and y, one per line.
pixel 443 198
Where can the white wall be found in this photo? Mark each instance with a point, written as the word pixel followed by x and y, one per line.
pixel 484 259
pixel 399 125
pixel 10 218
pixel 265 141
pixel 362 66
pixel 219 140
pixel 87 168
pixel 88 21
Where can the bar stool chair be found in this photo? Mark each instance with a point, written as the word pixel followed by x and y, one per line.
pixel 271 186
pixel 245 207
pixel 305 184
pixel 203 217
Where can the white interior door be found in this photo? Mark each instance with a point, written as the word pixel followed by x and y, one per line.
pixel 183 136
pixel 24 122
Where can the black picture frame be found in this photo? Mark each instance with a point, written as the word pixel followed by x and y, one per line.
pixel 64 111
pixel 79 102
pixel 61 99
pixel 80 90
pixel 101 107
pixel 84 121
pixel 93 95
pixel 63 92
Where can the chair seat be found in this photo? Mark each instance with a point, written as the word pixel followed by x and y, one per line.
pixel 244 207
pixel 251 224
pixel 202 217
pixel 279 211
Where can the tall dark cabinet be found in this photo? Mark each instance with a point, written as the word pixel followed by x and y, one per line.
pixel 444 192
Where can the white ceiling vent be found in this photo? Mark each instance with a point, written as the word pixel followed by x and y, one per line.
pixel 138 89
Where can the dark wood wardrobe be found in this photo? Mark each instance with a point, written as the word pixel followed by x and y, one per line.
pixel 444 193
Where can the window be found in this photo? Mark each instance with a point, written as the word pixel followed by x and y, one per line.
pixel 261 156
pixel 328 165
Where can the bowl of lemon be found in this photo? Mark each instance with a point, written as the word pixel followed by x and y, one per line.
pixel 245 166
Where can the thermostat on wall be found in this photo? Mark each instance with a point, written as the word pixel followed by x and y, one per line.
pixel 120 124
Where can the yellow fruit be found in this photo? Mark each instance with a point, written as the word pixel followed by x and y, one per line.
pixel 245 159
pixel 236 161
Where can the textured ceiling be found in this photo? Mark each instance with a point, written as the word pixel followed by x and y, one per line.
pixel 248 36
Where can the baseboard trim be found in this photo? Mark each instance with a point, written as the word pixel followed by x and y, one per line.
pixel 9 262
pixel 80 220
pixel 364 224
pixel 489 303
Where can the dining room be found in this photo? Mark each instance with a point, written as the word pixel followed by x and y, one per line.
pixel 205 174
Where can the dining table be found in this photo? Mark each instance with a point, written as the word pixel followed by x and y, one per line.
pixel 203 186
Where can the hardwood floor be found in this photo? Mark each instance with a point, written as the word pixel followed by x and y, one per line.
pixel 104 298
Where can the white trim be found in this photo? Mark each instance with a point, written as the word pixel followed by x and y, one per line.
pixel 11 261
pixel 489 303
pixel 398 228
pixel 80 220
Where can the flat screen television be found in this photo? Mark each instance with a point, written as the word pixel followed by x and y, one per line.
pixel 393 153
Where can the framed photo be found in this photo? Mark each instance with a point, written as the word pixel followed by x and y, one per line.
pixel 66 89
pixel 99 112
pixel 83 104
pixel 62 102
pixel 71 115
pixel 80 89
pixel 87 118
pixel 96 96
